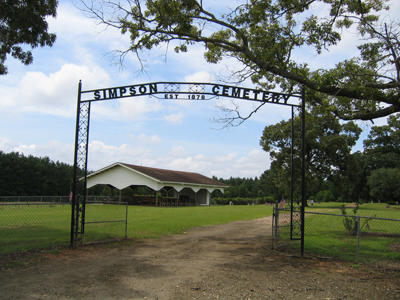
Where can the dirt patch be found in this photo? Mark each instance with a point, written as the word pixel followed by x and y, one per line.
pixel 231 261
pixel 395 247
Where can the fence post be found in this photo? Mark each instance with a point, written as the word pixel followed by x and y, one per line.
pixel 126 221
pixel 275 233
pixel 358 237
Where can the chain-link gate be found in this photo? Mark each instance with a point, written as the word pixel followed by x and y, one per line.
pixel 286 225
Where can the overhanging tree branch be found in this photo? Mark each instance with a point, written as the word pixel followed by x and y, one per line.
pixel 263 35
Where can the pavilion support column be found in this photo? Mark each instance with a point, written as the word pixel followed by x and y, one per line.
pixel 156 198
pixel 120 196
pixel 112 191
pixel 133 188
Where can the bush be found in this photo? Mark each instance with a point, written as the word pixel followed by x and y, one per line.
pixel 241 201
pixel 269 199
pixel 325 196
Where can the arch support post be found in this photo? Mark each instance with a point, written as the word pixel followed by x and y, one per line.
pixel 298 179
pixel 78 201
pixel 303 166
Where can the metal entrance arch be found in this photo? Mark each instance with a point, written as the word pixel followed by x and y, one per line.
pixel 177 91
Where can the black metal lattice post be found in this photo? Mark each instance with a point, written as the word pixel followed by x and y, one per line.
pixel 78 202
pixel 295 169
pixel 297 205
pixel 303 166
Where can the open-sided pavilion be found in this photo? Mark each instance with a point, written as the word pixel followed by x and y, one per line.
pixel 181 188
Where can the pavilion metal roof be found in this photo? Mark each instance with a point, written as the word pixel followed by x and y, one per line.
pixel 166 176
pixel 175 176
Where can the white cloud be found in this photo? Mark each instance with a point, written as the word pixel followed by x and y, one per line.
pixel 226 158
pixel 175 119
pixel 251 165
pixel 178 151
pixel 201 76
pixel 189 164
pixel 199 157
pixel 73 25
pixel 8 96
pixel 101 155
pixel 144 139
pixel 133 108
pixel 70 21
pixel 54 149
pixel 54 94
pixel 178 158
pixel 8 145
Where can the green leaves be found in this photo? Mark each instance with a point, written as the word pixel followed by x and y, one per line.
pixel 266 37
pixel 328 148
pixel 24 22
pixel 315 30
pixel 385 184
pixel 33 176
pixel 382 147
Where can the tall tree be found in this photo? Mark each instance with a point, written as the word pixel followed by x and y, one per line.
pixel 352 185
pixel 23 22
pixel 383 144
pixel 327 152
pixel 267 184
pixel 264 35
pixel 385 184
pixel 33 176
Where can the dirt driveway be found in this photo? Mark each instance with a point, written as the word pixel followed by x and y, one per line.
pixel 229 261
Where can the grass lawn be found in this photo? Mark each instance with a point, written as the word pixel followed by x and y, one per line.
pixel 326 235
pixel 26 227
pixel 30 227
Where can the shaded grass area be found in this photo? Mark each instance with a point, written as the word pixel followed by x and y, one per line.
pixel 24 227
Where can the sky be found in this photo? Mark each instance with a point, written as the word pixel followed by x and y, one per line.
pixel 38 104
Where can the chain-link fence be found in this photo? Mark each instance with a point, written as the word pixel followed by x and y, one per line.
pixel 27 226
pixel 30 223
pixel 34 199
pixel 346 237
pixel 354 238
pixel 47 199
